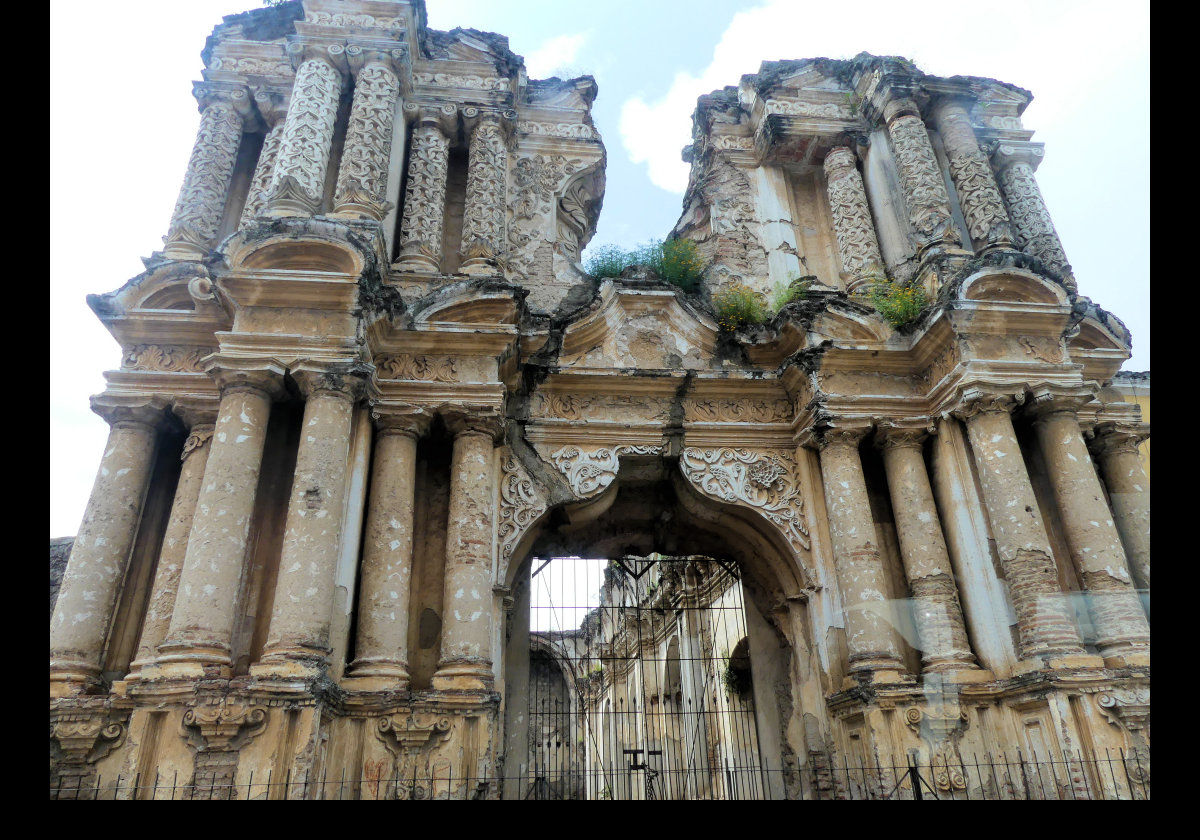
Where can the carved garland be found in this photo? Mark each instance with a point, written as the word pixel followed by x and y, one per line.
pixel 764 481
pixel 589 471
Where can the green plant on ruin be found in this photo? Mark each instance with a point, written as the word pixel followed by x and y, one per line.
pixel 900 304
pixel 675 261
pixel 793 290
pixel 609 261
pixel 737 306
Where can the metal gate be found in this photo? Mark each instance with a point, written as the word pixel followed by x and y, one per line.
pixel 640 681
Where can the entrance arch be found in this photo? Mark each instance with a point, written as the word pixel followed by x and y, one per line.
pixel 652 509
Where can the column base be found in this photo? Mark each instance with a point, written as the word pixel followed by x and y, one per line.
pixel 189 660
pixel 70 677
pixel 1057 662
pixel 417 264
pixel 480 267
pixel 291 662
pixel 463 676
pixel 370 674
pixel 1128 659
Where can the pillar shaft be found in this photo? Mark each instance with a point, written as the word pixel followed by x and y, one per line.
pixel 483 213
pixel 425 199
pixel 978 194
pixel 1128 486
pixel 467 626
pixel 201 628
pixel 174 547
pixel 298 179
pixel 1044 622
pixel 201 203
pixel 301 617
pixel 938 613
pixel 260 182
pixel 1092 538
pixel 924 190
pixel 363 174
pixel 852 222
pixel 1032 226
pixel 870 636
pixel 100 556
pixel 384 593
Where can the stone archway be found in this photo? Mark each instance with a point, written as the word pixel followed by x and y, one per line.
pixel 656 506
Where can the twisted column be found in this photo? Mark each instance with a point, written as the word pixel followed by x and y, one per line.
pixel 201 629
pixel 1116 448
pixel 1045 624
pixel 870 636
pixel 939 616
pixel 201 203
pixel 298 636
pixel 466 656
pixel 381 647
pixel 175 540
pixel 425 197
pixel 483 214
pixel 978 194
pixel 852 222
pixel 924 190
pixel 1032 225
pixel 1123 636
pixel 100 555
pixel 362 177
pixel 298 179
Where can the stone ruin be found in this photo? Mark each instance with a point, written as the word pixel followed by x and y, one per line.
pixel 366 382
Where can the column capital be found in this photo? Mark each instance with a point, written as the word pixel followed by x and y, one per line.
pixel 1113 438
pixel 272 104
pixel 839 159
pixel 848 433
pixel 196 411
pixel 349 380
pixel 442 117
pixel 903 434
pixel 474 117
pixel 137 410
pixel 359 56
pixel 982 400
pixel 302 50
pixel 400 418
pixel 898 107
pixel 478 419
pixel 224 93
pixel 1050 401
pixel 235 374
pixel 1008 152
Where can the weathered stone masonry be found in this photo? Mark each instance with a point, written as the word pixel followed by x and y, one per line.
pixel 366 381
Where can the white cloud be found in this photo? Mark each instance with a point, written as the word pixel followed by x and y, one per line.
pixel 1060 51
pixel 554 56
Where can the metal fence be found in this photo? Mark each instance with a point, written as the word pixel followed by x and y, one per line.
pixel 1113 775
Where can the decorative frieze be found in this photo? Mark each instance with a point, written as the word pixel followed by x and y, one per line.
pixel 564 131
pixel 362 177
pixel 166 357
pixel 417 368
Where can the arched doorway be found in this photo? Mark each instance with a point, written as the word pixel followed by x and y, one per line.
pixel 677 618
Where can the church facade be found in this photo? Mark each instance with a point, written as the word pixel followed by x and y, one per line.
pixel 366 384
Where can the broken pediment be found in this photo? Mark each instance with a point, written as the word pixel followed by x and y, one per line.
pixel 647 328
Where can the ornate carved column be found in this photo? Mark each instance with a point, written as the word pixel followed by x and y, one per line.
pixel 175 539
pixel 924 190
pixel 362 177
pixel 1034 230
pixel 201 203
pixel 852 222
pixel 466 658
pixel 298 179
pixel 273 108
pixel 198 638
pixel 938 613
pixel 978 194
pixel 1044 622
pixel 870 636
pixel 487 180
pixel 381 647
pixel 99 558
pixel 1123 636
pixel 298 638
pixel 425 198
pixel 1116 447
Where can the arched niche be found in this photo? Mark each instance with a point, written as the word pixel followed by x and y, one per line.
pixel 307 255
pixel 1012 285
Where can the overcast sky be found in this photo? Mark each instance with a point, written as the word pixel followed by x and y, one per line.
pixel 122 121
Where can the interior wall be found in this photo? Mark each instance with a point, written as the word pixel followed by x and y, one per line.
pixel 431 517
